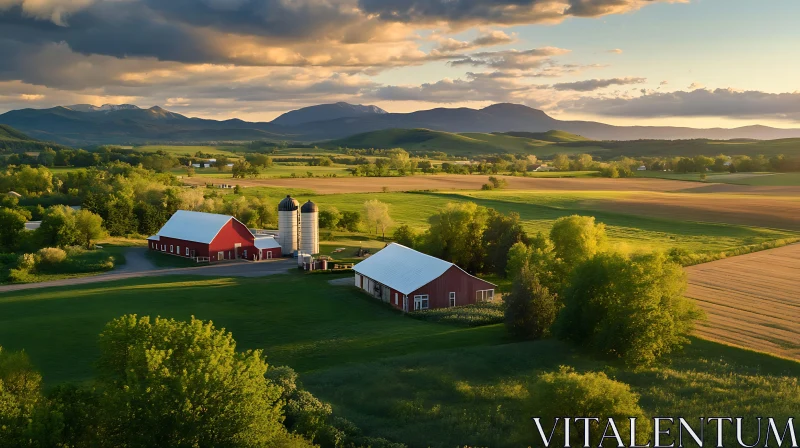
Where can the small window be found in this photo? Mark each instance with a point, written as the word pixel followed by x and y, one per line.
pixel 245 253
pixel 452 299
pixel 396 301
pixel 163 248
pixel 421 302
pixel 171 248
pixel 486 295
pixel 187 251
pixel 178 250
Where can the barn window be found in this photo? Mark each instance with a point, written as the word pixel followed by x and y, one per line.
pixel 178 250
pixel 171 248
pixel 421 302
pixel 187 251
pixel 395 299
pixel 245 253
pixel 452 299
pixel 486 295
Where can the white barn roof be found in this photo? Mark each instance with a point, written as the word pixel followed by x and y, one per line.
pixel 194 226
pixel 402 269
pixel 266 242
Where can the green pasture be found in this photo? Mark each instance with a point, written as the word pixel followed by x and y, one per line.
pixel 300 321
pixel 479 396
pixel 439 385
pixel 538 210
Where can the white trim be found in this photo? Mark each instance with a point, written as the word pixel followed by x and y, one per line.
pixel 421 302
pixel 484 295
pixel 452 301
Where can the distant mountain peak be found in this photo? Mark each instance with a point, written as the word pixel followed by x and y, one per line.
pixel 103 108
pixel 324 112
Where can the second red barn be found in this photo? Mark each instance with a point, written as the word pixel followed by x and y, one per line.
pixel 411 281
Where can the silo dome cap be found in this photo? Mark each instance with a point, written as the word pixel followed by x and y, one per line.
pixel 309 207
pixel 288 204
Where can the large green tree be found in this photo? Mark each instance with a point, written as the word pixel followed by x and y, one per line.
pixel 628 308
pixel 20 398
pixel 183 384
pixel 12 224
pixel 89 227
pixel 530 308
pixel 456 235
pixel 577 238
pixel 501 233
pixel 57 228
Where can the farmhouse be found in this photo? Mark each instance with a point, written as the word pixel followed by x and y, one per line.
pixel 211 237
pixel 410 280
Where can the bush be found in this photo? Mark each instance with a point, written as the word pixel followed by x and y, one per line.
pixel 630 309
pixel 475 315
pixel 26 262
pixel 50 256
pixel 568 393
pixel 530 308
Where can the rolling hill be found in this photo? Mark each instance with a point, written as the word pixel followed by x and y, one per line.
pixel 7 133
pixel 125 124
pixel 466 144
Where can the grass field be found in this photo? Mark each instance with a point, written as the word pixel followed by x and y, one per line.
pixel 754 179
pixel 538 210
pixel 276 171
pixel 439 385
pixel 300 321
pixel 752 300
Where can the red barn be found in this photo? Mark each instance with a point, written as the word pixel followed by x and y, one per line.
pixel 411 281
pixel 211 237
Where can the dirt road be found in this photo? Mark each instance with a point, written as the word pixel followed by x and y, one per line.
pixel 233 269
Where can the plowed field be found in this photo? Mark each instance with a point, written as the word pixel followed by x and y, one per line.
pixel 752 300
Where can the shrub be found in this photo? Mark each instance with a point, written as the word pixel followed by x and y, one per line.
pixel 475 315
pixel 568 393
pixel 50 256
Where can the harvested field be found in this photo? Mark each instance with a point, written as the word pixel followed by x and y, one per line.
pixel 778 190
pixel 775 212
pixel 453 182
pixel 752 300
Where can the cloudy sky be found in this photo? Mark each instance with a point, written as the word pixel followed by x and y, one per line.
pixel 698 63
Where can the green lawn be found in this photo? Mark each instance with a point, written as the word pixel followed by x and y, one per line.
pixel 300 321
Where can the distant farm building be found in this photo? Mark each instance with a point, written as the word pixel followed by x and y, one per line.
pixel 641 168
pixel 211 237
pixel 409 280
pixel 14 194
pixel 544 168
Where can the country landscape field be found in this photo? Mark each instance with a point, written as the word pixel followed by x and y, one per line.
pixel 399 224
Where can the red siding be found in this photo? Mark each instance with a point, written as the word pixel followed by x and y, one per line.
pixel 229 236
pixel 453 280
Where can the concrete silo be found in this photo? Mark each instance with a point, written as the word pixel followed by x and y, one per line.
pixel 309 228
pixel 289 225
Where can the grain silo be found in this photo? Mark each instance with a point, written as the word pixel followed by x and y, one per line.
pixel 309 228
pixel 289 225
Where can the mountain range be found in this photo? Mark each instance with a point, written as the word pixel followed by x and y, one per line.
pixel 128 124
